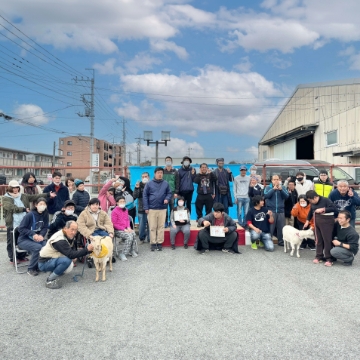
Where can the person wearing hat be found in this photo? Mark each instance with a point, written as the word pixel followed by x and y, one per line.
pixel 323 186
pixel 241 194
pixel 16 206
pixel 81 197
pixel 186 178
pixel 61 217
pixel 222 189
pixel 156 197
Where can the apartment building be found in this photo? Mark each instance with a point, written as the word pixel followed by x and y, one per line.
pixel 75 151
pixel 15 163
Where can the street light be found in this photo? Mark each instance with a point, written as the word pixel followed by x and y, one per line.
pixel 148 137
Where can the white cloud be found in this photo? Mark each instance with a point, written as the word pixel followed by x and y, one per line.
pixel 211 101
pixel 353 57
pixel 163 45
pixel 32 113
pixel 253 151
pixel 279 62
pixel 245 65
pixel 232 149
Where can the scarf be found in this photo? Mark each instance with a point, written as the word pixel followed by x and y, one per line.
pixel 104 251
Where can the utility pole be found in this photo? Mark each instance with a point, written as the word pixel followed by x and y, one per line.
pixel 90 114
pixel 53 158
pixel 138 149
pixel 165 137
pixel 123 158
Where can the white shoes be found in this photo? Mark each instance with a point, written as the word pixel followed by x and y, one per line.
pixel 134 254
pixel 123 257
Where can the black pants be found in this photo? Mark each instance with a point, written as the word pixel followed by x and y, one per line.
pixel 202 200
pixel 9 246
pixel 205 239
pixel 187 195
pixel 306 242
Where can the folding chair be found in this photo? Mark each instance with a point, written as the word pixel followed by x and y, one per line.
pixel 16 249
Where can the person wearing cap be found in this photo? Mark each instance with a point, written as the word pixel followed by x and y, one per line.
pixel 186 177
pixel 16 206
pixel 222 189
pixel 171 175
pixel 156 197
pixel 241 194
pixel 228 242
pixel 323 186
pixel 57 255
pixel 81 197
pixel 62 194
pixel 67 213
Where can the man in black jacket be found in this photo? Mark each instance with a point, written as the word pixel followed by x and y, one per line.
pixel 60 218
pixel 346 239
pixel 218 218
pixel 290 203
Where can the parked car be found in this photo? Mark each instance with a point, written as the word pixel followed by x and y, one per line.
pixel 289 168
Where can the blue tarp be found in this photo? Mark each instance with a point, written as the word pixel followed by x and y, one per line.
pixel 136 171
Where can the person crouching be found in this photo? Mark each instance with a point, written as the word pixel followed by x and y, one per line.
pixel 57 255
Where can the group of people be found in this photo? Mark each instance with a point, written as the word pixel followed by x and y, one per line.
pixel 52 223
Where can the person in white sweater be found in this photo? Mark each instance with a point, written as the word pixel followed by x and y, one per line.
pixel 303 185
pixel 241 194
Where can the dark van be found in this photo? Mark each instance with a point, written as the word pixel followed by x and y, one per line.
pixel 289 168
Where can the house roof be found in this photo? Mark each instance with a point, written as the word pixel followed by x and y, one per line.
pixel 28 152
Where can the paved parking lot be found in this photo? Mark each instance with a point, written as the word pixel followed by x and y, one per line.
pixel 182 305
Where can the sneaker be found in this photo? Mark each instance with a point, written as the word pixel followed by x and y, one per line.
pixel 159 247
pixel 328 263
pixel 153 247
pixel 172 247
pixel 254 246
pixel 33 272
pixel 317 261
pixel 186 246
pixel 312 248
pixel 261 244
pixel 227 251
pixel 134 254
pixel 204 251
pixel 141 242
pixel 53 284
pixel 280 243
pixel 348 263
pixel 122 257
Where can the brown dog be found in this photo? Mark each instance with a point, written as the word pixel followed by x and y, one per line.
pixel 102 253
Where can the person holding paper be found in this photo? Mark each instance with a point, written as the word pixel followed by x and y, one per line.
pixel 219 231
pixel 180 221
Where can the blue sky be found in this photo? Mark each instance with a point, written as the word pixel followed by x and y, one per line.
pixel 214 73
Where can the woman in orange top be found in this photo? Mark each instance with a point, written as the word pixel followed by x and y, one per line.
pixel 300 211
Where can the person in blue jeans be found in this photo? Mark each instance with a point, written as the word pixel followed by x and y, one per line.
pixel 259 219
pixel 144 234
pixel 32 231
pixel 241 194
pixel 57 255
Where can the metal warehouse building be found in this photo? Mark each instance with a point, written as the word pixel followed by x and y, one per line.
pixel 320 121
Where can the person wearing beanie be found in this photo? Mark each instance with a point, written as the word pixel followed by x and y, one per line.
pixel 156 197
pixel 177 225
pixel 323 186
pixel 81 197
pixel 186 178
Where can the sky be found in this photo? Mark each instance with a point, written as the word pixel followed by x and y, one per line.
pixel 213 73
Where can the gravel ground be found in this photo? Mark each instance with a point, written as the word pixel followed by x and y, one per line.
pixel 182 305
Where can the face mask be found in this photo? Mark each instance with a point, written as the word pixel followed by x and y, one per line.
pixel 300 179
pixel 144 180
pixel 41 208
pixel 57 183
pixel 168 163
pixel 121 206
pixel 253 172
pixel 69 212
pixel 181 203
pixel 303 205
pixel 186 163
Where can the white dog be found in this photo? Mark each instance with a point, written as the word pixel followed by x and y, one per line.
pixel 295 237
pixel 102 253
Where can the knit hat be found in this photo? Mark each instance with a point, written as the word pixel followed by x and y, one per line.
pixel 78 182
pixel 14 183
pixel 186 157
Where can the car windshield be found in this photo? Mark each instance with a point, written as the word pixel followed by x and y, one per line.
pixel 338 174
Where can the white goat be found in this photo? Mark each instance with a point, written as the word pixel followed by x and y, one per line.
pixel 295 237
pixel 102 253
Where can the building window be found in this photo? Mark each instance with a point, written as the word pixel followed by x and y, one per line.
pixel 68 174
pixel 331 138
pixel 37 172
pixel 61 152
pixel 265 155
pixel 106 157
pixel 61 142
pixel 69 153
pixel 19 172
pixel 69 142
pixel 68 164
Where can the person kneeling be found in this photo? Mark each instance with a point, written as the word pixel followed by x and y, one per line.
pixel 220 230
pixel 346 239
pixel 259 219
pixel 179 225
pixel 123 231
pixel 56 256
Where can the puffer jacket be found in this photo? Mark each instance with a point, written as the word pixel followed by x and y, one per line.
pixel 87 225
pixel 10 208
pixel 155 192
pixel 81 200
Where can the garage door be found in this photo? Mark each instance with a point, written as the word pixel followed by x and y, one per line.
pixel 286 150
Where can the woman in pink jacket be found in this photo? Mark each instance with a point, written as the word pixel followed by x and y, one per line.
pixel 123 231
pixel 106 196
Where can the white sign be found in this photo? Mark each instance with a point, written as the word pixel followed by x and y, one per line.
pixel 180 215
pixel 49 177
pixel 95 162
pixel 217 231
